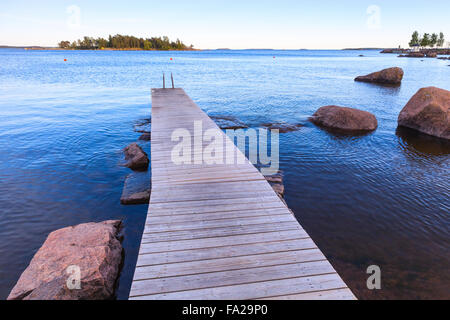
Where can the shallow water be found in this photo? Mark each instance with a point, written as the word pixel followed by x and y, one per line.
pixel 381 198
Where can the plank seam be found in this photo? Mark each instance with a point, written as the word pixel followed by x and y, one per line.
pixel 309 292
pixel 215 247
pixel 238 256
pixel 220 219
pixel 215 237
pixel 237 284
pixel 227 227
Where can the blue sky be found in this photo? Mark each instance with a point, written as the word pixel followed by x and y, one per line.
pixel 278 24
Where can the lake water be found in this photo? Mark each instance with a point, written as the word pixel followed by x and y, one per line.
pixel 380 199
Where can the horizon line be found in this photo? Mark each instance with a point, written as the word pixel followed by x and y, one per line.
pixel 198 49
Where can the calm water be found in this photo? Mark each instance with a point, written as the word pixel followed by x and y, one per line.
pixel 378 199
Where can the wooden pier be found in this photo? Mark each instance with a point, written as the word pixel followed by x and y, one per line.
pixel 219 231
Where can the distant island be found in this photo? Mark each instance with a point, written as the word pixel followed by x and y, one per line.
pixel 121 42
pixel 361 49
pixel 27 47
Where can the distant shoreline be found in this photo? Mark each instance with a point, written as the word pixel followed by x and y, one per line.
pixel 188 49
pixel 395 50
pixel 106 49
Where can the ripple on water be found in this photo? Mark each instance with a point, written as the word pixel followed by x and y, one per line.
pixel 378 199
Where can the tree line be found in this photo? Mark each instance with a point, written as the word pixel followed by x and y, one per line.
pixel 427 40
pixel 125 42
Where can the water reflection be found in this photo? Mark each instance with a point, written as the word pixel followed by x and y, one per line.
pixel 384 88
pixel 343 135
pixel 415 143
pixel 376 198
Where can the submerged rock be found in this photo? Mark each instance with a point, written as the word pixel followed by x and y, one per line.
pixel 276 181
pixel 428 111
pixel 282 127
pixel 345 119
pixel 228 122
pixel 392 76
pixel 143 126
pixel 136 158
pixel 421 144
pixel 394 51
pixel 413 55
pixel 146 137
pixel 93 249
pixel 136 198
pixel 137 189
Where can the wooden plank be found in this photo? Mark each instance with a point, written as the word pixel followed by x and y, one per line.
pixel 205 224
pixel 167 198
pixel 229 263
pixel 212 188
pixel 152 237
pixel 222 241
pixel 257 290
pixel 336 294
pixel 232 277
pixel 216 205
pixel 222 215
pixel 240 250
pixel 219 231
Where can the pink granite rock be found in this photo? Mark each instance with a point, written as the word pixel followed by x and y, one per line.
pixel 345 119
pixel 136 157
pixel 392 76
pixel 92 248
pixel 428 111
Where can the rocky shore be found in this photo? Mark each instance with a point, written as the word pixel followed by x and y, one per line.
pixel 137 186
pixel 423 53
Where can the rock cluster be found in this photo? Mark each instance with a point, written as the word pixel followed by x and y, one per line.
pixel 413 55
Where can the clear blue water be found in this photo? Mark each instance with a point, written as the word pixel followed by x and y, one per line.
pixel 378 199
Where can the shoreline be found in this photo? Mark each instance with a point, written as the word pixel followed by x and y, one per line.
pixel 106 49
pixel 386 49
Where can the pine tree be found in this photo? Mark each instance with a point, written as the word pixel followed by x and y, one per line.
pixel 433 40
pixel 425 41
pixel 415 39
pixel 441 40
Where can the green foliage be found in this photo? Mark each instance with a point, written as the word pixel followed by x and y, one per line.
pixel 126 42
pixel 441 40
pixel 427 40
pixel 147 45
pixel 415 39
pixel 433 40
pixel 64 44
